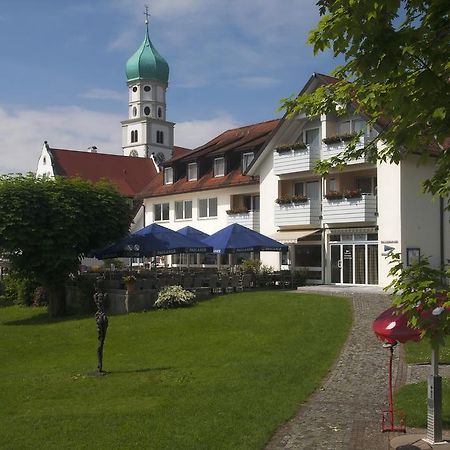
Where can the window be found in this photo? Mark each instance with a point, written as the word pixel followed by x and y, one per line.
pixel 44 160
pixel 207 207
pixel 134 88
pixel 312 138
pixel 367 185
pixel 251 202
pixel 308 255
pixel 351 126
pixel 134 111
pixel 133 153
pixel 168 175
pixel 161 211
pixel 147 88
pixel 219 167
pixel 310 189
pixel 159 112
pixel 344 127
pixel 183 209
pixel 147 111
pixel 247 158
pixel 134 136
pixel 192 171
pixel 331 184
pixel 159 137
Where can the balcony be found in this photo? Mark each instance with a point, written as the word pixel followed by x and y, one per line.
pixel 347 210
pixel 331 150
pixel 294 160
pixel 298 213
pixel 248 219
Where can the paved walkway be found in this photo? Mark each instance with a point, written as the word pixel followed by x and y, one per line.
pixel 345 413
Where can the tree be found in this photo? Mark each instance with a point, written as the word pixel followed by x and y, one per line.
pixel 396 73
pixel 48 225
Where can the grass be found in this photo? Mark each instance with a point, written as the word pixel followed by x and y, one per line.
pixel 222 375
pixel 420 352
pixel 412 398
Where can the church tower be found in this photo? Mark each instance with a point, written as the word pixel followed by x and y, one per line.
pixel 146 130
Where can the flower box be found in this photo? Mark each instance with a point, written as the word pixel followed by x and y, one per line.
pixel 334 195
pixel 339 138
pixel 237 211
pixel 291 199
pixel 288 147
pixel 352 194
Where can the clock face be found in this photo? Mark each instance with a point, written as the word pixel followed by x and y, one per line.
pixel 133 153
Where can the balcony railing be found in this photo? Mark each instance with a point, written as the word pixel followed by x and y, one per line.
pixel 360 209
pixel 336 148
pixel 298 160
pixel 248 219
pixel 298 213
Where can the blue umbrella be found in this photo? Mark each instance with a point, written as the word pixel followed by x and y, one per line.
pixel 237 238
pixel 153 240
pixel 193 233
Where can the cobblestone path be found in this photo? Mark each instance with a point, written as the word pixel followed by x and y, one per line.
pixel 345 413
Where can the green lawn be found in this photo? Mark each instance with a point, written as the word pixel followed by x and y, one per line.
pixel 420 352
pixel 412 398
pixel 221 375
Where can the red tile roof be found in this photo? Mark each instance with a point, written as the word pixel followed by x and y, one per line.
pixel 250 138
pixel 129 174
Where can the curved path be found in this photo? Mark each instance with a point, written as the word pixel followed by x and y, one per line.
pixel 345 413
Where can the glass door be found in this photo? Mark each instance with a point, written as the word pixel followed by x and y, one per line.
pixel 347 264
pixel 336 263
pixel 354 263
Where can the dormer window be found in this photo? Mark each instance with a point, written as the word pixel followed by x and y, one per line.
pixel 219 167
pixel 192 171
pixel 247 158
pixel 168 175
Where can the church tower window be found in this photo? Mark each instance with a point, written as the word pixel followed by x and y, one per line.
pixel 159 137
pixel 147 88
pixel 134 111
pixel 160 112
pixel 134 88
pixel 147 111
pixel 134 136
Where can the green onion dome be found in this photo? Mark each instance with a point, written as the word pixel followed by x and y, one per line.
pixel 147 64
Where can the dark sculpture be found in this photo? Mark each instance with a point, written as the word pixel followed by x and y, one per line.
pixel 102 326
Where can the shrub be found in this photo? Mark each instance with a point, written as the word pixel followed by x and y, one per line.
pixel 173 297
pixel 251 266
pixel 18 290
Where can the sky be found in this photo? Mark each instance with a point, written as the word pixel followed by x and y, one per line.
pixel 63 68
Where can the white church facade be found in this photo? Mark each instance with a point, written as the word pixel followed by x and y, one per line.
pixel 339 227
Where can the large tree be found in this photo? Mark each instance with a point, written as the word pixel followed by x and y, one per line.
pixel 396 72
pixel 48 225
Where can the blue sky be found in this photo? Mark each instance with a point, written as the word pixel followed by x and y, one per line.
pixel 63 68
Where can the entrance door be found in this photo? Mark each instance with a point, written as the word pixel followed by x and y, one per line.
pixel 354 263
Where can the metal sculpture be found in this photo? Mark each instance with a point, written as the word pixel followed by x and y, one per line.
pixel 102 326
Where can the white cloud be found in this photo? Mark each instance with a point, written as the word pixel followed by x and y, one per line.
pixel 104 94
pixel 23 132
pixel 257 82
pixel 194 133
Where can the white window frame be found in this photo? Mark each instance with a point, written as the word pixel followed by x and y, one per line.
pixel 183 209
pixel 168 175
pixel 352 125
pixel 208 207
pixel 311 129
pixel 219 163
pixel 161 218
pixel 247 159
pixel 195 168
